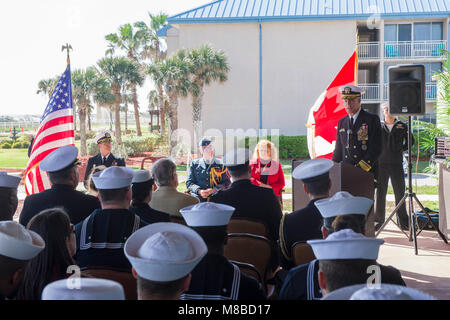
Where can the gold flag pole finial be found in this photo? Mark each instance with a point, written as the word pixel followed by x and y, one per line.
pixel 67 47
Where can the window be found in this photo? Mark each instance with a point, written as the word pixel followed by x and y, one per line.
pixel 428 31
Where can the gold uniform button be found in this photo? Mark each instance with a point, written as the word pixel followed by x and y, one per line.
pixel 355 156
pixel 346 157
pixel 354 147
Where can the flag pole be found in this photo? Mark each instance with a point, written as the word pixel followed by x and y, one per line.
pixel 68 47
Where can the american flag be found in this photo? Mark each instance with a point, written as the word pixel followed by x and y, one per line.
pixel 55 130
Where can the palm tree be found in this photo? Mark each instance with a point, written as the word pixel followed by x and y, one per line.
pixel 105 98
pixel 130 41
pixel 85 85
pixel 120 72
pixel 207 65
pixel 172 75
pixel 153 48
pixel 46 86
pixel 126 99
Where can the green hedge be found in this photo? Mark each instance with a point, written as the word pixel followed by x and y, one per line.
pixel 20 145
pixel 131 145
pixel 289 147
pixel 6 145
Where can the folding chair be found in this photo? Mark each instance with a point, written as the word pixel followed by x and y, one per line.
pixel 247 225
pixel 252 249
pixel 177 219
pixel 125 278
pixel 248 269
pixel 302 253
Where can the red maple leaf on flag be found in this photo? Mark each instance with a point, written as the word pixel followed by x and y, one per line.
pixel 331 109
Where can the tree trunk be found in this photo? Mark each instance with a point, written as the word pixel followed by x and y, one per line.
pixel 82 112
pixel 89 121
pixel 136 109
pixel 117 115
pixel 173 122
pixel 126 117
pixel 162 113
pixel 197 117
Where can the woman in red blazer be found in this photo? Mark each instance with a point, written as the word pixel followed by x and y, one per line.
pixel 266 169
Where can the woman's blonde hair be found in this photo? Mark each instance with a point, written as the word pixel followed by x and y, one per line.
pixel 91 189
pixel 269 146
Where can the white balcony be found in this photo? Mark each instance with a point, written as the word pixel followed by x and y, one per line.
pixel 414 49
pixel 368 50
pixel 372 92
pixel 402 49
pixel 430 91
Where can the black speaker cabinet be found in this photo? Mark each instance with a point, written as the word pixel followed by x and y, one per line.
pixel 407 90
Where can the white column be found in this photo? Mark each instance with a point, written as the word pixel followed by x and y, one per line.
pixel 381 65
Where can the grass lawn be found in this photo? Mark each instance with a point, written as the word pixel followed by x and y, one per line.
pixel 13 158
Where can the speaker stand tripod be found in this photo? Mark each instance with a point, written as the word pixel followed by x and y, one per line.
pixel 411 196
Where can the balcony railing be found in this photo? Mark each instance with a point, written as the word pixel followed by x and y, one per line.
pixel 372 92
pixel 414 49
pixel 402 49
pixel 430 91
pixel 368 50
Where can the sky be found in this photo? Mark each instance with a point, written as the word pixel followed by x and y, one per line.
pixel 33 32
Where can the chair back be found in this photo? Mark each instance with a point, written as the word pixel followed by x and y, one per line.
pixel 251 249
pixel 248 269
pixel 179 220
pixel 126 279
pixel 302 253
pixel 247 225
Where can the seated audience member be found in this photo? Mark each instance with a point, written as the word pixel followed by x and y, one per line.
pixel 215 277
pixel 83 289
pixel 266 168
pixel 346 258
pixel 91 189
pixel 163 256
pixel 17 246
pixel 8 196
pixel 102 235
pixel 381 291
pixel 305 224
pixel 249 201
pixel 342 211
pixel 51 264
pixel 166 198
pixel 141 194
pixel 62 168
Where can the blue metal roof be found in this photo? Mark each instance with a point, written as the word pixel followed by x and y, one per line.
pixel 222 11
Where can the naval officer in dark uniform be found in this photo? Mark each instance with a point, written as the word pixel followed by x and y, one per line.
pixel 390 164
pixel 215 277
pixel 358 140
pixel 207 175
pixel 305 224
pixel 102 235
pixel 104 157
pixel 62 168
pixel 341 211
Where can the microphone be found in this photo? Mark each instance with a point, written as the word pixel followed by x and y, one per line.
pixel 349 132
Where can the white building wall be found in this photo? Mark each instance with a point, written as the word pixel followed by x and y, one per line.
pixel 300 59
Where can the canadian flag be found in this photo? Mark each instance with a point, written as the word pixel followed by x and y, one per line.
pixel 327 110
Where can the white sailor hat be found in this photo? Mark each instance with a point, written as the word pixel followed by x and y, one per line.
pixel 85 289
pixel 164 251
pixel 113 178
pixel 19 243
pixel 237 158
pixel 312 170
pixel 381 292
pixel 103 136
pixel 341 203
pixel 7 181
pixel 140 176
pixel 60 159
pixel 346 244
pixel 207 214
pixel 349 91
